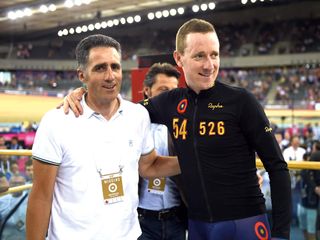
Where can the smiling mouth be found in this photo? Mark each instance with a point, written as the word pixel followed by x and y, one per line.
pixel 109 87
pixel 205 75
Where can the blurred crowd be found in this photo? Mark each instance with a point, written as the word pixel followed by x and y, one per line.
pixel 274 85
pixel 300 143
pixel 14 171
pixel 241 39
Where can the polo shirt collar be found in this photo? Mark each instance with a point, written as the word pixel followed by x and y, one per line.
pixel 88 112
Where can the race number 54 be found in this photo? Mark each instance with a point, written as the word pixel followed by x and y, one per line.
pixel 179 128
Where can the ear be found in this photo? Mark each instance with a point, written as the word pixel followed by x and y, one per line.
pixel 147 91
pixel 177 57
pixel 81 75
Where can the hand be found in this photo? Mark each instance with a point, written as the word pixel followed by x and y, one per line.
pixel 72 101
pixel 317 190
pixel 60 105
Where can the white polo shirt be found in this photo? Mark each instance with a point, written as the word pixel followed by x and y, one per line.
pixel 81 146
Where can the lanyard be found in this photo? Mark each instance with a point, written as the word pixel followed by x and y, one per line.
pixel 106 154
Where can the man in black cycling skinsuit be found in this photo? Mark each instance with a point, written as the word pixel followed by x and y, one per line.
pixel 216 131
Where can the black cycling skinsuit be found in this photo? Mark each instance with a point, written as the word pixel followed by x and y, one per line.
pixel 216 134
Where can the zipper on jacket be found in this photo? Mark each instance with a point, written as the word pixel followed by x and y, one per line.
pixel 198 160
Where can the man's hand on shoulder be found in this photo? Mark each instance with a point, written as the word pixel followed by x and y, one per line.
pixel 72 101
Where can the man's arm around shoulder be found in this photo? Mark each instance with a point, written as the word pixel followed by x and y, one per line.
pixel 152 165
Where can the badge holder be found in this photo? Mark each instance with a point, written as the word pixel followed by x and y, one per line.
pixel 157 185
pixel 112 187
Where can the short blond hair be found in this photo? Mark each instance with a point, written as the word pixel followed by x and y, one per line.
pixel 194 25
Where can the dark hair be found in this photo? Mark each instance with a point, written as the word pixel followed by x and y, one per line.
pixel 194 25
pixel 13 162
pixel 98 40
pixel 306 157
pixel 15 137
pixel 159 68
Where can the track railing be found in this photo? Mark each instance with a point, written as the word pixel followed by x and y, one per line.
pixel 291 164
pixel 21 152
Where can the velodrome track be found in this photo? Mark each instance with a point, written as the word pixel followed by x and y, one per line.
pixel 19 108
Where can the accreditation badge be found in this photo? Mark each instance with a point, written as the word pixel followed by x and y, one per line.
pixel 112 188
pixel 157 185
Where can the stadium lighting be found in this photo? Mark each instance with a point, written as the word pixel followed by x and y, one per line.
pixel 195 8
pixel 115 22
pixel 181 10
pixel 212 5
pixel 151 16
pixel 65 32
pixel 104 24
pixel 77 2
pixel 130 20
pixel 11 15
pixel 43 9
pixel 122 20
pixel 71 30
pixel 173 12
pixel 84 28
pixel 91 27
pixel 244 1
pixel 253 1
pixel 97 26
pixel 60 34
pixel 165 13
pixel 52 7
pixel 78 29
pixel 137 18
pixel 110 23
pixel 19 13
pixel 204 7
pixel 27 12
pixel 158 14
pixel 68 3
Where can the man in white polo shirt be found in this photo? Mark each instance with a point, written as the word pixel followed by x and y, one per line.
pixel 86 169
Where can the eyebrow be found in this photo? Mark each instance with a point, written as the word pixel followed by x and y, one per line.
pixel 115 64
pixel 215 52
pixel 100 65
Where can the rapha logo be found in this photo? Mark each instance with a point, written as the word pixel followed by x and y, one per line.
pixel 145 102
pixel 214 106
pixel 268 129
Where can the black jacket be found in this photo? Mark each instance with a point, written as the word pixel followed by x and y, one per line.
pixel 216 134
